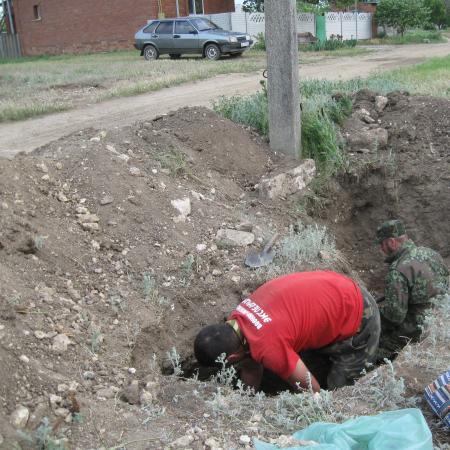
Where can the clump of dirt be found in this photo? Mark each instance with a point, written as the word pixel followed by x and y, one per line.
pixel 109 256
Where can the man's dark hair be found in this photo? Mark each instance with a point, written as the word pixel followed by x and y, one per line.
pixel 214 340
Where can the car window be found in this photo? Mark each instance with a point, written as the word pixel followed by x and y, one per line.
pixel 151 28
pixel 165 28
pixel 204 24
pixel 183 27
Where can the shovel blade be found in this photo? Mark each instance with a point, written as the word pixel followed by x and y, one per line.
pixel 255 260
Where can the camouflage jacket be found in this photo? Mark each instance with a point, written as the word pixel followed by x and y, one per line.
pixel 416 275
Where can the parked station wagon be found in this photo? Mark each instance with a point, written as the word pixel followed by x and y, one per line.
pixel 189 35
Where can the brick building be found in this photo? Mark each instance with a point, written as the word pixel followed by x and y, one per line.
pixel 79 26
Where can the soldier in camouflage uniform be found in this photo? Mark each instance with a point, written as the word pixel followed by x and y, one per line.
pixel 416 279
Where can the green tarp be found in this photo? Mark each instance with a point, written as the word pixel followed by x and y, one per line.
pixel 404 429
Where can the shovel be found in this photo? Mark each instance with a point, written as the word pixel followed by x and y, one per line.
pixel 255 259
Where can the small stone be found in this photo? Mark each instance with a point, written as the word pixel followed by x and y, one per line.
pixel 90 226
pixel 233 238
pixel 95 139
pixel 62 197
pixel 131 370
pixel 24 359
pixel 88 218
pixel 40 334
pixel 183 206
pixel 95 245
pixel 81 210
pixel 135 171
pixel 55 401
pixel 131 392
pixel 216 273
pixel 60 343
pixel 106 393
pixel 58 166
pixel 42 167
pixel 201 247
pixel 61 412
pixel 182 442
pixel 146 398
pixel 380 103
pixel 45 177
pixel 244 439
pixel 106 200
pixel 123 157
pixel 20 416
pixel 111 148
pixel 197 195
pixel 88 375
pixel 245 226
pixel 212 443
pixel 4 205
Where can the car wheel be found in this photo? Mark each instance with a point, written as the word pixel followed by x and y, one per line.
pixel 174 55
pixel 150 53
pixel 212 52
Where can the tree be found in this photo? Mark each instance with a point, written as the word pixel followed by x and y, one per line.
pixel 402 14
pixel 317 6
pixel 438 15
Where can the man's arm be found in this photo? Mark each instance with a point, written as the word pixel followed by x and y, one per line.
pixel 302 378
pixel 395 305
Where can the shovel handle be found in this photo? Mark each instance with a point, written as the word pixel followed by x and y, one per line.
pixel 269 245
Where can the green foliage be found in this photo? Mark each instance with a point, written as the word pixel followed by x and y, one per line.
pixel 260 43
pixel 410 37
pixel 438 15
pixel 402 14
pixel 328 45
pixel 314 6
pixel 41 438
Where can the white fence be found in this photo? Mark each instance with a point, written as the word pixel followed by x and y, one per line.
pixel 347 25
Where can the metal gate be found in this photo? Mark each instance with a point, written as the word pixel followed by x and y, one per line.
pixel 9 46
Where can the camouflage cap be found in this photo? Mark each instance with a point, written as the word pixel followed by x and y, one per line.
pixel 390 229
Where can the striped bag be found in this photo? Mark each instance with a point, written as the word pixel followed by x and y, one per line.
pixel 437 394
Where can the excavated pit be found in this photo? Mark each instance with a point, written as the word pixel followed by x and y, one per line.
pixel 405 177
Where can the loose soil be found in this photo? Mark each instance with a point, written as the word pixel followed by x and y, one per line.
pixel 145 281
pixel 30 134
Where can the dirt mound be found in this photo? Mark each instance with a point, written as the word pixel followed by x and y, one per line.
pixel 100 270
pixel 109 255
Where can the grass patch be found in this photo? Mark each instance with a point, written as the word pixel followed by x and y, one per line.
pixel 323 111
pixel 38 85
pixel 410 37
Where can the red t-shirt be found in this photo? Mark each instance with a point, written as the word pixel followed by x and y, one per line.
pixel 301 311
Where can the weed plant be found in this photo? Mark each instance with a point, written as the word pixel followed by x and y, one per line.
pixel 410 37
pixel 42 438
pixel 328 45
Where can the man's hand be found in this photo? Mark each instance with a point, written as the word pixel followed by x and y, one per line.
pixel 303 379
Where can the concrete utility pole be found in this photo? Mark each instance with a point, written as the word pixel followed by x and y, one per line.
pixel 283 78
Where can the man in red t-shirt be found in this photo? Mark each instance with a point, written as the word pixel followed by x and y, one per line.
pixel 321 311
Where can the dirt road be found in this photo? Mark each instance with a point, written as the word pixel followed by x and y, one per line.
pixel 30 134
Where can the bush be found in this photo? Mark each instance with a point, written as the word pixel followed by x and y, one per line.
pixel 328 45
pixel 260 43
pixel 402 14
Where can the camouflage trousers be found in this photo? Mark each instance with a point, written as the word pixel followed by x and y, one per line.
pixel 393 339
pixel 349 358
